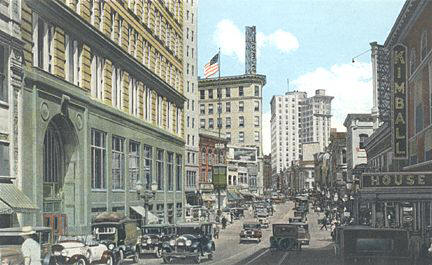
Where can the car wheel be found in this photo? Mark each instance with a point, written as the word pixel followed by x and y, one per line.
pixel 158 252
pixel 110 260
pixel 167 260
pixel 210 256
pixel 80 261
pixel 121 257
pixel 135 257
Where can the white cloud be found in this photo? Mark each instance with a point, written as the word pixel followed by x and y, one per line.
pixel 231 39
pixel 349 84
pixel 266 133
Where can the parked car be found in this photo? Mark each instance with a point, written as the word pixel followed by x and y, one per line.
pixel 193 240
pixel 120 234
pixel 251 232
pixel 11 240
pixel 153 236
pixel 285 237
pixel 263 221
pixel 360 244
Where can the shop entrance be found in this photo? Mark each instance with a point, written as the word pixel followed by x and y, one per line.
pixel 59 172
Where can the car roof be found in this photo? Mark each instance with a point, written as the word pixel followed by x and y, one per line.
pixel 191 224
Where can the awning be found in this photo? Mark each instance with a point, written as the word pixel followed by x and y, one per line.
pixel 152 219
pixel 233 196
pixel 15 199
pixel 5 209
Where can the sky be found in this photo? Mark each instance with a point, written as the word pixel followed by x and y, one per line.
pixel 311 43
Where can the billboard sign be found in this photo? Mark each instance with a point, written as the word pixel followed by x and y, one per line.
pixel 245 154
pixel 399 102
pixel 396 179
pixel 219 176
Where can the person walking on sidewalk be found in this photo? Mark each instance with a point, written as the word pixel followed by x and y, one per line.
pixel 325 223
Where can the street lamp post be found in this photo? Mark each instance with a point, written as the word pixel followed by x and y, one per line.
pixel 146 195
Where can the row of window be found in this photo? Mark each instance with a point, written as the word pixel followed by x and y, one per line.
pixel 241 122
pixel 190 179
pixel 241 92
pixel 241 136
pixel 210 109
pixel 168 165
pixel 140 96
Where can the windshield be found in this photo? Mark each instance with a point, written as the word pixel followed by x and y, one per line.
pixel 188 230
pixel 11 240
pixel 152 230
pixel 250 226
pixel 103 233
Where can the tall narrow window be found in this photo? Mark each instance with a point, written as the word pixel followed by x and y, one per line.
pixel 168 116
pixel 170 169
pixel 148 165
pixel 119 28
pixel 97 77
pixel 98 159
pixel 101 7
pixel 362 140
pixel 3 74
pixel 160 169
pixel 113 22
pixel 118 163
pixel 4 159
pixel 241 106
pixel 117 87
pixel 133 97
pixel 134 164
pixel 179 172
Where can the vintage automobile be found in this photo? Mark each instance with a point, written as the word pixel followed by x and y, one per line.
pixel 69 250
pixel 263 221
pixel 285 237
pixel 153 236
pixel 119 234
pixel 11 240
pixel 303 232
pixel 251 232
pixel 364 244
pixel 193 240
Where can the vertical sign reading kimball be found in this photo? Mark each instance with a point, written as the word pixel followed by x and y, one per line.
pixel 399 106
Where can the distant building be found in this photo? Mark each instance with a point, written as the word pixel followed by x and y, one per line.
pixel 359 127
pixel 240 109
pixel 297 120
pixel 338 159
pixel 267 173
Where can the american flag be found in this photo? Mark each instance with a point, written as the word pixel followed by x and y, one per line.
pixel 212 67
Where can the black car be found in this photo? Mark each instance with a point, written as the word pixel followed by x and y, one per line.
pixel 193 240
pixel 153 236
pixel 119 233
pixel 285 237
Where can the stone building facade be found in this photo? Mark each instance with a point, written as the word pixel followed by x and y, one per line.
pixel 190 51
pixel 103 109
pixel 241 111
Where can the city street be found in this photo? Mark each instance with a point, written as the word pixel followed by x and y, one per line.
pixel 229 251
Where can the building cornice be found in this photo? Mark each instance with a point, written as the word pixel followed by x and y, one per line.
pixel 60 15
pixel 231 80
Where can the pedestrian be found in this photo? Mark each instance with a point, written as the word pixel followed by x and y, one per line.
pixel 216 230
pixel 224 222
pixel 324 225
pixel 30 248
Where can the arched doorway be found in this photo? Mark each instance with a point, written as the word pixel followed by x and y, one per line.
pixel 59 168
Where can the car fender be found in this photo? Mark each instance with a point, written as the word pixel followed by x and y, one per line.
pixel 77 257
pixel 105 255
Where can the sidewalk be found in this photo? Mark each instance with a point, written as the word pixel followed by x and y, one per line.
pixel 319 238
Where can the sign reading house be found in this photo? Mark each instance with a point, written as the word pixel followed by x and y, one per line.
pixel 396 179
pixel 399 105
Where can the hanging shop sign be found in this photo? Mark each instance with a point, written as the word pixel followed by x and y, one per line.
pixel 396 179
pixel 399 102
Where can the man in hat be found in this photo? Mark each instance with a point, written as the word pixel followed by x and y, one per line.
pixel 30 249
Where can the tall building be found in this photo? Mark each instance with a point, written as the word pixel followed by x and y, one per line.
pixel 190 15
pixel 295 120
pixel 250 52
pixel 240 108
pixel 104 86
pixel 316 119
pixel 13 201
pixel 285 129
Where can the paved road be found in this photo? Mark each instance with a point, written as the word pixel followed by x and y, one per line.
pixel 229 251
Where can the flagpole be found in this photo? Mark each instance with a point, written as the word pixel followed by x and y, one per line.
pixel 219 95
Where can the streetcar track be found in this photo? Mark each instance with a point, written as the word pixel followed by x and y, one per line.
pixel 257 257
pixel 283 258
